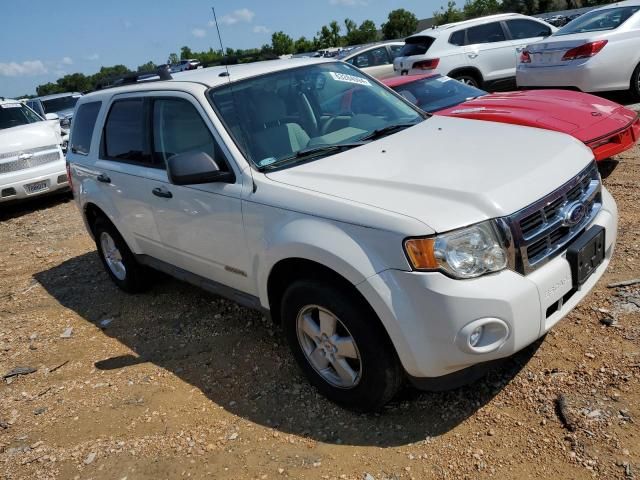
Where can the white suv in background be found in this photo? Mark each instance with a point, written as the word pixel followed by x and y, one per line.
pixel 389 244
pixel 482 52
pixel 31 161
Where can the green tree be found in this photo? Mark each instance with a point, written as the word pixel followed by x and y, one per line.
pixel 282 44
pixel 47 89
pixel 75 82
pixel 108 74
pixel 185 53
pixel 147 67
pixel 336 39
pixel 480 8
pixel 302 45
pixel 449 15
pixel 365 33
pixel 400 23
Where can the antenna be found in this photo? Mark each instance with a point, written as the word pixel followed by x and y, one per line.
pixel 215 19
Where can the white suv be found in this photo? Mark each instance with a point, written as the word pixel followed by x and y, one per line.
pixel 389 244
pixel 482 52
pixel 31 161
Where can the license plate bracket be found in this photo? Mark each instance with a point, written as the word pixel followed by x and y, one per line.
pixel 586 254
pixel 36 187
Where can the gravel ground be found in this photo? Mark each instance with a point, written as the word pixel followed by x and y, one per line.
pixel 178 383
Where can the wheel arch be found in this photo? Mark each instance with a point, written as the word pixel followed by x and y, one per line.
pixel 474 71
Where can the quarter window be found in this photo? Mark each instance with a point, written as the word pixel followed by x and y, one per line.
pixel 179 128
pixel 527 29
pixel 83 125
pixel 488 33
pixel 457 38
pixel 126 132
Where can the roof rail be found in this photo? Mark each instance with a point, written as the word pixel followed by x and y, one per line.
pixel 162 72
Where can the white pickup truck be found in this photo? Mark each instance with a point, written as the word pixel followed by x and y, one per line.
pixel 389 244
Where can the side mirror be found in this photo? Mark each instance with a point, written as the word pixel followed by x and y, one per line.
pixel 192 168
pixel 51 116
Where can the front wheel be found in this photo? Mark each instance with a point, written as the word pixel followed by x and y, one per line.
pixel 340 345
pixel 117 258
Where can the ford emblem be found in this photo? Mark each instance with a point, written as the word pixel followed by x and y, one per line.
pixel 573 214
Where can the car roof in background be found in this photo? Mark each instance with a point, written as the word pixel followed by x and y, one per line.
pixel 56 95
pixel 361 48
pixel 4 101
pixel 442 29
pixel 404 79
pixel 627 3
pixel 216 76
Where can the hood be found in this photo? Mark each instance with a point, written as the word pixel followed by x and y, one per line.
pixel 447 172
pixel 584 116
pixel 24 137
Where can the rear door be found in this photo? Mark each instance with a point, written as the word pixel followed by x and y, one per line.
pixel 127 172
pixel 200 226
pixel 523 32
pixel 375 61
pixel 490 51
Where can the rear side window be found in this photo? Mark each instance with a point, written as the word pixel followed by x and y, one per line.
pixel 126 133
pixel 83 125
pixel 527 29
pixel 179 128
pixel 416 46
pixel 488 33
pixel 457 38
pixel 371 58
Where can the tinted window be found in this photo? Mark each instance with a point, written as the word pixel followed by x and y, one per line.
pixel 83 125
pixel 488 33
pixel 527 29
pixel 457 38
pixel 62 103
pixel 416 46
pixel 179 128
pixel 126 134
pixel 595 21
pixel 36 107
pixel 395 50
pixel 370 58
pixel 16 114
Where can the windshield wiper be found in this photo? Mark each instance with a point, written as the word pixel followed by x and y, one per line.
pixel 312 152
pixel 389 129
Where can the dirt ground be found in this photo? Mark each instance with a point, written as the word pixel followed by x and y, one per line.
pixel 178 383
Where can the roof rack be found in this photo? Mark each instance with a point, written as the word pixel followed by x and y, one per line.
pixel 162 72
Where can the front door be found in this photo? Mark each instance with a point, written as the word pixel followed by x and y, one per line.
pixel 489 50
pixel 200 226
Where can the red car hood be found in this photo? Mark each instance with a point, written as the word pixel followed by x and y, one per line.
pixel 584 116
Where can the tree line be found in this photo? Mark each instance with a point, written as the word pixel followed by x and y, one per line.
pixel 400 23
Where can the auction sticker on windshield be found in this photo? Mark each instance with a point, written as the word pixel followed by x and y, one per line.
pixel 343 77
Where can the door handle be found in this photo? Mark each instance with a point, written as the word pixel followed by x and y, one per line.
pixel 472 55
pixel 162 192
pixel 103 178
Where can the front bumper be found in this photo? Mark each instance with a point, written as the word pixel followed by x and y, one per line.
pixel 12 189
pixel 424 313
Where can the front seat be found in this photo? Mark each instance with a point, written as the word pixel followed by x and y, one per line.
pixel 275 137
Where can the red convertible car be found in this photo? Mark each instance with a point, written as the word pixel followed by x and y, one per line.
pixel 606 127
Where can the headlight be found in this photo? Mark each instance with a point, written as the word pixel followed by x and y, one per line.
pixel 465 253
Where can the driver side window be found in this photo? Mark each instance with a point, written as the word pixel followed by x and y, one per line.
pixel 179 128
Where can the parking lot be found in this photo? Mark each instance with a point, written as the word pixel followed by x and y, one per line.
pixel 177 382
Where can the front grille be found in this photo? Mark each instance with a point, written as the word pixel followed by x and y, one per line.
pixel 35 161
pixel 28 150
pixel 541 230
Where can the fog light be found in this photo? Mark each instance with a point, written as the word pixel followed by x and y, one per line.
pixel 476 335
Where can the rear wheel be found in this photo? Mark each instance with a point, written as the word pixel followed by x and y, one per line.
pixel 634 87
pixel 117 258
pixel 340 345
pixel 468 79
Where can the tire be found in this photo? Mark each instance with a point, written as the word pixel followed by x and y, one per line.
pixel 468 79
pixel 374 374
pixel 634 85
pixel 117 258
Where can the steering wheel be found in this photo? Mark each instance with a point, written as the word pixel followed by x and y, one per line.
pixel 308 118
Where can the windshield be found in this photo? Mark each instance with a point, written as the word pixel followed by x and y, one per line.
pixel 596 21
pixel 437 92
pixel 16 114
pixel 61 103
pixel 291 115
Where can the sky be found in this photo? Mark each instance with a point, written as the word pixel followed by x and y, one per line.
pixel 42 40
